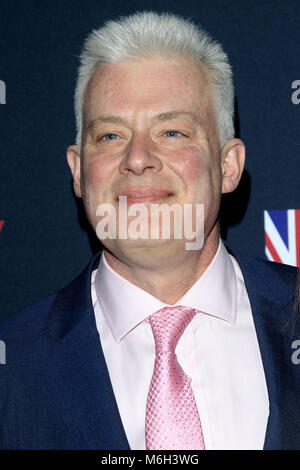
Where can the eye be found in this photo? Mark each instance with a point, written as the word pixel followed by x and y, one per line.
pixel 172 133
pixel 108 137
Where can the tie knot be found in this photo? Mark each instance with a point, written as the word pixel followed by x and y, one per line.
pixel 168 324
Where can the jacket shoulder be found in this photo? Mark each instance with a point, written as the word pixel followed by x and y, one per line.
pixel 277 281
pixel 29 318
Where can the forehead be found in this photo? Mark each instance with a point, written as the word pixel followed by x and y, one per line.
pixel 151 86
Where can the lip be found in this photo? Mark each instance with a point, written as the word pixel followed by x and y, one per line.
pixel 144 195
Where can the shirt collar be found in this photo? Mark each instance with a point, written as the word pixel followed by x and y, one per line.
pixel 124 305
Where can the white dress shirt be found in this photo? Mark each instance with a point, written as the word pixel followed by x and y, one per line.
pixel 218 350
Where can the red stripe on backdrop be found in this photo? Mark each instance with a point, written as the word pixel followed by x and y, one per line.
pixel 1 224
pixel 271 249
pixel 297 235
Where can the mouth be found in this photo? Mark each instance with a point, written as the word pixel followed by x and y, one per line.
pixel 146 195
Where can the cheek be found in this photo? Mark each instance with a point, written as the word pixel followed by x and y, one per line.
pixel 191 163
pixel 95 172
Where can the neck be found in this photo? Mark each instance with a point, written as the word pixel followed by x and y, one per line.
pixel 167 281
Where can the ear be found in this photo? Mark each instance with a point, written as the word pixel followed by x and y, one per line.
pixel 73 157
pixel 233 160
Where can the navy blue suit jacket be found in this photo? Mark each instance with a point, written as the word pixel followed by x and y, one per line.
pixel 55 391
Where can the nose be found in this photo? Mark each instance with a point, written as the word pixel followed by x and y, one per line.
pixel 140 157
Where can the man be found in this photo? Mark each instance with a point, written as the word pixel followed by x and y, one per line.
pixel 93 365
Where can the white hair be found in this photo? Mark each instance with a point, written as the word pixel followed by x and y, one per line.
pixel 147 34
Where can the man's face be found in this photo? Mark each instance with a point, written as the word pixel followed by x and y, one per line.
pixel 150 134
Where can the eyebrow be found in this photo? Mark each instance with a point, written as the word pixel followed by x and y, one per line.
pixel 175 114
pixel 114 119
pixel 109 119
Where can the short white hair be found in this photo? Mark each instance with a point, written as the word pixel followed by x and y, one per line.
pixel 147 34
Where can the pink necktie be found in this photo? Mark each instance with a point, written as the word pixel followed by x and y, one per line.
pixel 172 419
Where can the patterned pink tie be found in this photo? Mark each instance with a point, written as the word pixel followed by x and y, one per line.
pixel 172 419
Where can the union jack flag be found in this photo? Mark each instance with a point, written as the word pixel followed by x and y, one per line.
pixel 282 236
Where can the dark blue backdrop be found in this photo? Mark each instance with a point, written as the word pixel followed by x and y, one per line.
pixel 44 242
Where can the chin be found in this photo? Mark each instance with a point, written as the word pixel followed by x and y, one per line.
pixel 155 250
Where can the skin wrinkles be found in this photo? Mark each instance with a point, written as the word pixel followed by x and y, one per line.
pixel 140 101
pixel 115 119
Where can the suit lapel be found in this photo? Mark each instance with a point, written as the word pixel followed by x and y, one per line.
pixel 270 344
pixel 272 309
pixel 75 371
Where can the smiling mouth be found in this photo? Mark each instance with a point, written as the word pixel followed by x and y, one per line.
pixel 146 195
